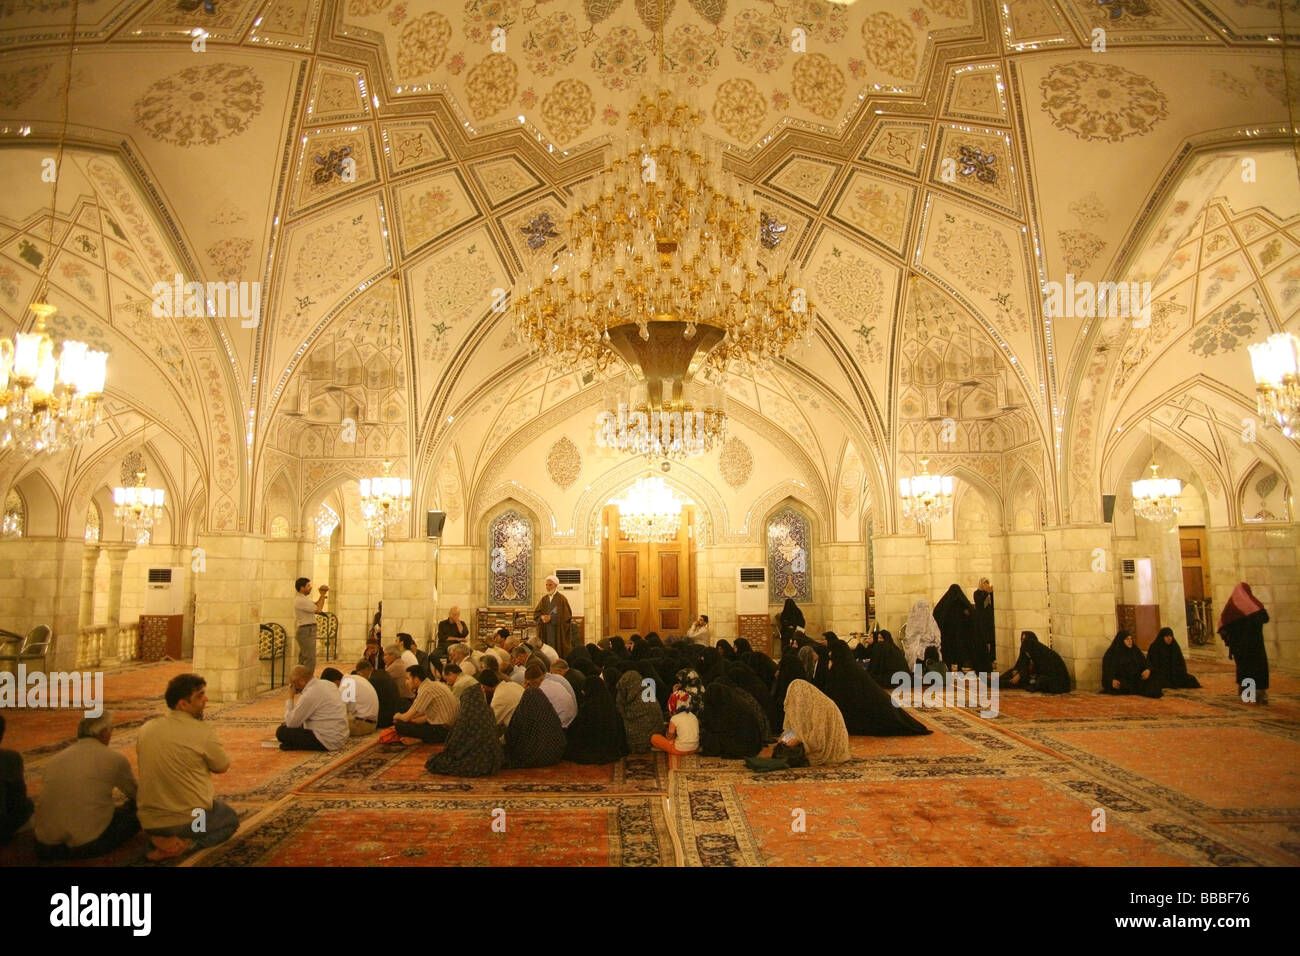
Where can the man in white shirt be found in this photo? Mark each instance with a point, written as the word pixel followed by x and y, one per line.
pixel 77 817
pixel 506 695
pixel 549 654
pixel 460 655
pixel 360 699
pixel 698 633
pixel 315 717
pixel 497 645
pixel 557 690
pixel 304 614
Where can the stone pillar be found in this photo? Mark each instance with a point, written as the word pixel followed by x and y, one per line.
pixel 1081 595
pixel 228 588
pixel 410 599
pixel 457 577
pixel 1023 605
pixel 117 555
pixel 903 577
pixel 1268 559
pixel 86 609
pixel 840 580
pixel 360 588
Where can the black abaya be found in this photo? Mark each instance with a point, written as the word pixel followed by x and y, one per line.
pixel 867 708
pixel 1124 665
pixel 1040 668
pixel 985 633
pixel 1167 664
pixel 596 734
pixel 728 728
pixel 954 614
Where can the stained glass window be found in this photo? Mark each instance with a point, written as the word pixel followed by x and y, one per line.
pixel 789 564
pixel 510 559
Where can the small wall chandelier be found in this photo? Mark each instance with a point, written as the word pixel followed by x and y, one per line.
pixel 926 498
pixel 385 501
pixel 138 508
pixel 1276 364
pixel 649 511
pixel 1156 498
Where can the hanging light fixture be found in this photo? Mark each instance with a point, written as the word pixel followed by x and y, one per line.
pixel 686 421
pixel 926 498
pixel 385 501
pixel 49 403
pixel 1276 364
pixel 1156 498
pixel 138 508
pixel 649 511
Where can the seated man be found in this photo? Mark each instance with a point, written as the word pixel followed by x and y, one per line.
pixel 549 654
pixel 178 753
pixel 557 690
pixel 457 679
pixel 385 691
pixel 359 698
pixel 374 653
pixel 497 644
pixel 459 654
pixel 434 710
pixel 519 657
pixel 77 818
pixel 15 806
pixel 411 655
pixel 451 632
pixel 506 695
pixel 315 717
pixel 397 670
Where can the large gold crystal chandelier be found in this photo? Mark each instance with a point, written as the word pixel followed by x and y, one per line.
pixel 649 511
pixel 926 498
pixel 385 501
pixel 683 420
pixel 664 245
pixel 1156 498
pixel 1276 364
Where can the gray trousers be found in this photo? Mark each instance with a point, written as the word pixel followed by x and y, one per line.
pixel 307 646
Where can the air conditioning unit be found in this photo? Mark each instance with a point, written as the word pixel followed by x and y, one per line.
pixel 751 590
pixel 1137 581
pixel 571 588
pixel 165 591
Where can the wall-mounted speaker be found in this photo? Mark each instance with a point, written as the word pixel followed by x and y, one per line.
pixel 434 520
pixel 1108 508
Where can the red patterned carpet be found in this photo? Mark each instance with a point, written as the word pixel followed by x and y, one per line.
pixel 1197 778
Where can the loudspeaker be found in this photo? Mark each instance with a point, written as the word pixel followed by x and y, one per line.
pixel 1107 508
pixel 434 520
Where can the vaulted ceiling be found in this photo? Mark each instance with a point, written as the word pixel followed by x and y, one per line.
pixel 935 164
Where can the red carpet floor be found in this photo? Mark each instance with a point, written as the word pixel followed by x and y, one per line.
pixel 1194 779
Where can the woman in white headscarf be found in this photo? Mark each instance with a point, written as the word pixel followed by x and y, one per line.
pixel 922 632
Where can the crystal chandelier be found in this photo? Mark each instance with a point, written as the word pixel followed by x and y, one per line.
pixel 385 501
pixel 662 262
pixel 649 511
pixel 926 498
pixel 326 521
pixel 1276 364
pixel 48 404
pixel 1156 498
pixel 138 508
pixel 687 421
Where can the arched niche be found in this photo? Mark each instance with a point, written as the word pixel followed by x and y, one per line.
pixel 510 539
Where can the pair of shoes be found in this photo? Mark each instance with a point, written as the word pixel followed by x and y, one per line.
pixel 168 848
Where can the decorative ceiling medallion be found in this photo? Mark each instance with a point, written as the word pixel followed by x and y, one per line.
pixel 770 231
pixel 504 179
pixel 736 462
pixel 200 105
pixel 877 209
pixel 1101 101
pixel 971 161
pixel 897 145
pixel 563 463
pixel 958 147
pixel 338 95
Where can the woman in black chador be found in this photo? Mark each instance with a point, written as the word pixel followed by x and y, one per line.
pixel 867 708
pixel 1165 658
pixel 1038 668
pixel 886 660
pixel 986 639
pixel 791 618
pixel 1241 625
pixel 1124 669
pixel 955 616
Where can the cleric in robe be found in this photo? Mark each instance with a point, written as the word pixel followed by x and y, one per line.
pixel 552 615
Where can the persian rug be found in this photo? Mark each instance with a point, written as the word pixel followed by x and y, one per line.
pixel 395 769
pixel 421 831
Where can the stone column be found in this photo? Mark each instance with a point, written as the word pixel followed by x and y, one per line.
pixel 1268 559
pixel 86 609
pixel 1023 605
pixel 903 577
pixel 840 580
pixel 228 590
pixel 410 599
pixel 1081 595
pixel 117 555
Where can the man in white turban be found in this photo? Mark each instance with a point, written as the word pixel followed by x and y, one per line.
pixel 552 615
pixel 922 631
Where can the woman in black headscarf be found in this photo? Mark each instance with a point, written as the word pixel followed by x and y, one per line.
pixel 954 614
pixel 596 734
pixel 764 668
pixel 1124 669
pixel 473 748
pixel 743 647
pixel 867 708
pixel 789 671
pixel 1241 625
pixel 1165 658
pixel 751 687
pixel 642 718
pixel 728 728
pixel 534 737
pixel 726 650
pixel 639 647
pixel 710 663
pixel 934 663
pixel 791 619
pixel 1038 668
pixel 985 632
pixel 618 648
pixel 886 660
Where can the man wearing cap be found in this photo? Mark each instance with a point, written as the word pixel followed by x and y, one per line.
pixel 77 817
pixel 552 615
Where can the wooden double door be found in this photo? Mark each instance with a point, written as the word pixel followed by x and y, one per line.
pixel 648 586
